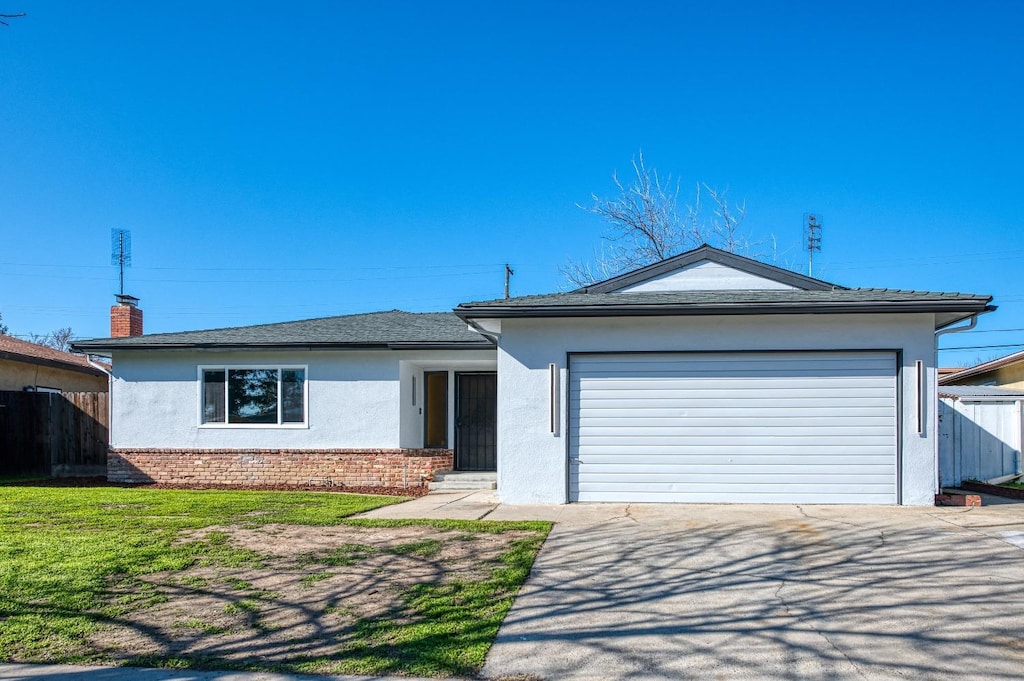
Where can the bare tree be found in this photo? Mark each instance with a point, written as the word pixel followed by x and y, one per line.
pixel 646 224
pixel 58 340
pixel 3 327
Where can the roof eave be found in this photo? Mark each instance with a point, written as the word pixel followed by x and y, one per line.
pixel 51 363
pixel 97 348
pixel 658 310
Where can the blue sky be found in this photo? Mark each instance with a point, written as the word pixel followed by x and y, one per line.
pixel 276 162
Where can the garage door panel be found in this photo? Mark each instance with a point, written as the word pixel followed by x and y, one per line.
pixel 734 427
pixel 817 394
pixel 740 488
pixel 728 411
pixel 774 475
pixel 751 401
pixel 773 496
pixel 704 456
pixel 752 362
pixel 825 443
pixel 791 421
pixel 725 387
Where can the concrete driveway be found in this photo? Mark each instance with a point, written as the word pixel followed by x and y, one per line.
pixel 754 592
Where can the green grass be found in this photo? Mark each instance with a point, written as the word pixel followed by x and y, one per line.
pixel 61 549
pixel 1014 485
pixel 71 560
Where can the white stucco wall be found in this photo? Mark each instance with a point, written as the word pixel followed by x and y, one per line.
pixel 533 462
pixel 356 399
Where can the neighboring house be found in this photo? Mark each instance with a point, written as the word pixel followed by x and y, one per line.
pixel 34 367
pixel 1005 372
pixel 707 377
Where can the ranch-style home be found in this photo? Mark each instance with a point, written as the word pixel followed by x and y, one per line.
pixel 707 377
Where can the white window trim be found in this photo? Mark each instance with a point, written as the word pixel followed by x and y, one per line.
pixel 252 426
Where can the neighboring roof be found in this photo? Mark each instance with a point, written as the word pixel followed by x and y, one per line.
pixel 983 368
pixel 17 350
pixel 394 329
pixel 706 252
pixel 959 392
pixel 718 302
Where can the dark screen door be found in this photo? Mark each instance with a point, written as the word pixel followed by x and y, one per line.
pixel 476 421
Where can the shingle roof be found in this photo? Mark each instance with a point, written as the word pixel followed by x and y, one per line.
pixel 724 302
pixel 24 351
pixel 371 330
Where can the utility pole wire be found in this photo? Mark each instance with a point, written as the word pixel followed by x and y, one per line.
pixel 3 17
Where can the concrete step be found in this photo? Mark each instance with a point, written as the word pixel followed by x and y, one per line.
pixel 455 480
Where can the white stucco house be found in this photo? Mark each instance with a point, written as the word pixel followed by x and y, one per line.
pixel 707 377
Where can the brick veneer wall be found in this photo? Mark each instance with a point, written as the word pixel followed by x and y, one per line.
pixel 348 467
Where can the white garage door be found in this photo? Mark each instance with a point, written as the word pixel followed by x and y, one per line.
pixel 757 427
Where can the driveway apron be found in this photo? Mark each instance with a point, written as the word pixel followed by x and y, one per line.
pixel 785 592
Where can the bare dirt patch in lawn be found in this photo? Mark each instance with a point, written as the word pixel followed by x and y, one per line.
pixel 305 599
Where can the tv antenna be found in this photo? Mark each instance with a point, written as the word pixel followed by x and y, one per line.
pixel 812 238
pixel 121 251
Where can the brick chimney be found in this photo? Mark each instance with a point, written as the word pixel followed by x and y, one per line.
pixel 125 317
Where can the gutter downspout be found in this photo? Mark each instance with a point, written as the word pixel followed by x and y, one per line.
pixel 941 332
pixel 110 393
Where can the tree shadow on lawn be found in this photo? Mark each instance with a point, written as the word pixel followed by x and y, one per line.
pixel 337 599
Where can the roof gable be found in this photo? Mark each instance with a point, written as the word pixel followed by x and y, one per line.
pixel 708 269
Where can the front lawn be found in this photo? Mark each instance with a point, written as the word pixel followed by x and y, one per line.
pixel 250 580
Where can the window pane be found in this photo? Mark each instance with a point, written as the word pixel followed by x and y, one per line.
pixel 213 396
pixel 293 396
pixel 252 395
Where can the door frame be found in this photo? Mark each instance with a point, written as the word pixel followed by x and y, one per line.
pixel 456 417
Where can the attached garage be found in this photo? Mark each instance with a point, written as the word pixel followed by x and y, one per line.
pixel 710 377
pixel 740 427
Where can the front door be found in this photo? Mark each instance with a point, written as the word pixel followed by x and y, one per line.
pixel 476 422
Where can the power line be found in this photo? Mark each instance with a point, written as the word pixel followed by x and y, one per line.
pixel 982 347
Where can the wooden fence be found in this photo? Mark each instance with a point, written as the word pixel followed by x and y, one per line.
pixel 57 434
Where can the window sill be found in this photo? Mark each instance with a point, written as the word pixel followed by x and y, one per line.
pixel 253 426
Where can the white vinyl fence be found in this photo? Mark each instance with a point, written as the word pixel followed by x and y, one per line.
pixel 979 434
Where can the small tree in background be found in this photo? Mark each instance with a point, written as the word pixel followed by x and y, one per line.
pixel 646 223
pixel 3 327
pixel 58 340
